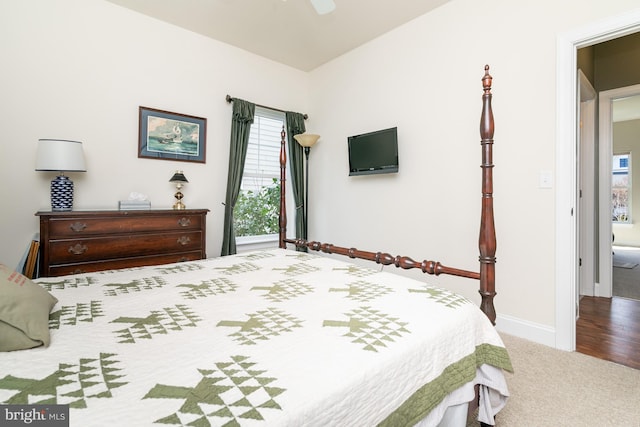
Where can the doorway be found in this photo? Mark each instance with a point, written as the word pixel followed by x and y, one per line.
pixel 609 323
pixel 618 107
pixel 567 191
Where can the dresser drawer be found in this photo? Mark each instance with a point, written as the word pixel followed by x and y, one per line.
pixel 73 227
pixel 120 246
pixel 88 267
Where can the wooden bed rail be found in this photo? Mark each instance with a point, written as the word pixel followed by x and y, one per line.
pixel 487 238
pixel 404 262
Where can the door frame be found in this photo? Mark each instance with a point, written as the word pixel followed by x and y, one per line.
pixel 566 158
pixel 587 174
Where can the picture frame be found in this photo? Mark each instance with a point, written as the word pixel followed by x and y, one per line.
pixel 171 136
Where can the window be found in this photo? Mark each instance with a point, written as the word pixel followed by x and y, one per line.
pixel 621 188
pixel 256 211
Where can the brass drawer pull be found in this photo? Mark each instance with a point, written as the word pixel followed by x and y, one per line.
pixel 78 226
pixel 184 240
pixel 78 249
pixel 184 222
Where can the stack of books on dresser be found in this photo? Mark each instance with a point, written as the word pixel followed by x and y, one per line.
pixel 132 205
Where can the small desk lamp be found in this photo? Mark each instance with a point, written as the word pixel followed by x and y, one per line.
pixel 60 155
pixel 179 179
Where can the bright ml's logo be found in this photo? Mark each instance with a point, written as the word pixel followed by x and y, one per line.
pixel 34 415
pixel 26 417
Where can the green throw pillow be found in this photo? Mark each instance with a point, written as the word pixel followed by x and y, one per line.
pixel 24 312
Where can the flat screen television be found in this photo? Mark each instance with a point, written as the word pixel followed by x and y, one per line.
pixel 373 152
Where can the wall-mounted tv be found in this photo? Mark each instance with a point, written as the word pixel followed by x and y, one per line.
pixel 373 152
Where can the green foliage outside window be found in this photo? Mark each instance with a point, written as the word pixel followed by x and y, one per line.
pixel 256 212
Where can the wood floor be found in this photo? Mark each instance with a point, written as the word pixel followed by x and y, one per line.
pixel 609 328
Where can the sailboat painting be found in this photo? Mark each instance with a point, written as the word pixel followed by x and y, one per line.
pixel 171 136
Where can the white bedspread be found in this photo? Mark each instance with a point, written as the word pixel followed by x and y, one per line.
pixel 270 338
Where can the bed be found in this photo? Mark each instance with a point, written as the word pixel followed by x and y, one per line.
pixel 276 337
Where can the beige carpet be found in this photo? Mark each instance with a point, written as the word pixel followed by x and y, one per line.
pixel 556 388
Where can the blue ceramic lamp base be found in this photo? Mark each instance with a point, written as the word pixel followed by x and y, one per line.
pixel 61 193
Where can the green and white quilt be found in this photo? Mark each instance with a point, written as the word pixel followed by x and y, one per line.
pixel 266 338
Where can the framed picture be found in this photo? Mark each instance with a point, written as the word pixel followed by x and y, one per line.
pixel 171 136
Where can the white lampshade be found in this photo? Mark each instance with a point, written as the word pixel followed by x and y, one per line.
pixel 60 155
pixel 306 139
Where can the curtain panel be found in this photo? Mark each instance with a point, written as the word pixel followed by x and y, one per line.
pixel 295 125
pixel 241 120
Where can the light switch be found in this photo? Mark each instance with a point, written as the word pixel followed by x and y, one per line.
pixel 545 179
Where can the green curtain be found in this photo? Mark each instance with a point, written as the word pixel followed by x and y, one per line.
pixel 242 118
pixel 295 126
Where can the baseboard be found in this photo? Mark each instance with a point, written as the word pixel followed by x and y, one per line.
pixel 531 331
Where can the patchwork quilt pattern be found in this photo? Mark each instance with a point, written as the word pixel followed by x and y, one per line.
pixel 266 338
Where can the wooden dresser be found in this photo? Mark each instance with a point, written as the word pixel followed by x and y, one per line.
pixel 85 241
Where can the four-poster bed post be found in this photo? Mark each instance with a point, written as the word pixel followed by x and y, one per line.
pixel 282 218
pixel 487 238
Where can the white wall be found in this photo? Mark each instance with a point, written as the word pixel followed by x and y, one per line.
pixel 80 70
pixel 425 78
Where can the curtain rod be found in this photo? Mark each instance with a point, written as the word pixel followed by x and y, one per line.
pixel 229 99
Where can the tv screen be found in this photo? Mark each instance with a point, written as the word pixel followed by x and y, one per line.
pixel 373 152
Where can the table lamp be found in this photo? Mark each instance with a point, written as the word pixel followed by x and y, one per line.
pixel 179 179
pixel 60 155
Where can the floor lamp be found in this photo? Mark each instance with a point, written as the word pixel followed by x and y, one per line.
pixel 306 140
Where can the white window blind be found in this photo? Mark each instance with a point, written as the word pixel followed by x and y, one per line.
pixel 256 211
pixel 262 164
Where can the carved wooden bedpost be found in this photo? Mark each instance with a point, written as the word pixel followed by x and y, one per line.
pixel 487 241
pixel 282 218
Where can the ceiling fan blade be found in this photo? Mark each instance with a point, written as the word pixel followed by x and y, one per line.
pixel 323 7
